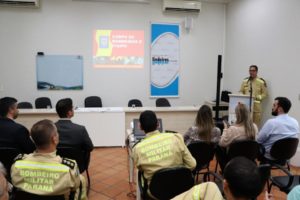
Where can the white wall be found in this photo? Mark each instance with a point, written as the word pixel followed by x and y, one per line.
pixel 66 27
pixel 265 33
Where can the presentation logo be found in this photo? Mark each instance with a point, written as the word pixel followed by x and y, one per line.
pixel 104 42
pixel 160 60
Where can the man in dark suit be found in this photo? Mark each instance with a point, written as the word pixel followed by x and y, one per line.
pixel 71 134
pixel 13 134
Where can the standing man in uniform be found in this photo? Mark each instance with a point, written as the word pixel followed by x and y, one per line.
pixel 258 87
pixel 43 172
pixel 159 150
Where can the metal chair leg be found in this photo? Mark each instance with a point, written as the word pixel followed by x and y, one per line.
pixel 89 181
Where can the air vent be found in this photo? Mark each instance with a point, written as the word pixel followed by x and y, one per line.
pixel 20 3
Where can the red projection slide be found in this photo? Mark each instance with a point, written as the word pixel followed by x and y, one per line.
pixel 118 49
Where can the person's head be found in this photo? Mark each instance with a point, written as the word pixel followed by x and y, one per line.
pixel 243 117
pixel 242 179
pixel 64 108
pixel 4 187
pixel 242 113
pixel 148 121
pixel 44 135
pixel 253 71
pixel 204 121
pixel 281 105
pixel 9 107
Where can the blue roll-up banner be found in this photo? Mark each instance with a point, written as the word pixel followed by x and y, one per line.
pixel 164 60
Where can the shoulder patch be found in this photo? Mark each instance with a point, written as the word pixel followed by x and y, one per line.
pixel 68 162
pixel 263 81
pixel 135 144
pixel 19 157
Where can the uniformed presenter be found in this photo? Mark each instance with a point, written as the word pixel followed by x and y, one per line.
pixel 258 88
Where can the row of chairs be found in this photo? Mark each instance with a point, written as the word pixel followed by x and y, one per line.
pixel 164 181
pixel 91 101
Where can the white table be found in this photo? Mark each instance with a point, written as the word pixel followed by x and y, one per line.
pixel 106 126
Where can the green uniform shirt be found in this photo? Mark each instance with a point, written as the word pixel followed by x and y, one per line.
pixel 203 191
pixel 44 174
pixel 259 91
pixel 161 150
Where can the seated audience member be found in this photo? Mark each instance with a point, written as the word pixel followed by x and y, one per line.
pixel 12 134
pixel 43 172
pixel 280 127
pixel 294 194
pixel 242 181
pixel 4 185
pixel 71 134
pixel 242 129
pixel 159 150
pixel 203 191
pixel 204 129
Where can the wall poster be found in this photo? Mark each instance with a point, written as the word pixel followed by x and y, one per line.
pixel 164 60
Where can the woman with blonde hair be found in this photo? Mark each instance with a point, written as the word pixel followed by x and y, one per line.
pixel 243 128
pixel 204 129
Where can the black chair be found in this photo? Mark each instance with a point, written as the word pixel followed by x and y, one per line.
pixel 21 195
pixel 43 102
pixel 7 157
pixel 282 151
pixel 25 105
pixel 167 183
pixel 92 101
pixel 135 103
pixel 203 153
pixel 162 102
pixel 82 158
pixel 284 183
pixel 246 148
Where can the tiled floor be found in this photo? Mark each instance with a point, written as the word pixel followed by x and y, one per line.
pixel 109 172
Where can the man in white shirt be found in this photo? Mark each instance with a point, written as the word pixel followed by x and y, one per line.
pixel 280 127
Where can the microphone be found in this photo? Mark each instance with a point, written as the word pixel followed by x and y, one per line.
pixel 249 79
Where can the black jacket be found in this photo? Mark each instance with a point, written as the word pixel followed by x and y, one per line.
pixel 74 135
pixel 15 135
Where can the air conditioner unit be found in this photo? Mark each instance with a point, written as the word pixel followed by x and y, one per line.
pixel 182 5
pixel 120 1
pixel 20 3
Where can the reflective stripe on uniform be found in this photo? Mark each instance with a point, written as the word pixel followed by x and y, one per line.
pixel 196 193
pixel 155 138
pixel 22 164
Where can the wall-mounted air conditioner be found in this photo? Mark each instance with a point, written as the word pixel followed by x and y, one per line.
pixel 20 3
pixel 182 5
pixel 120 1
